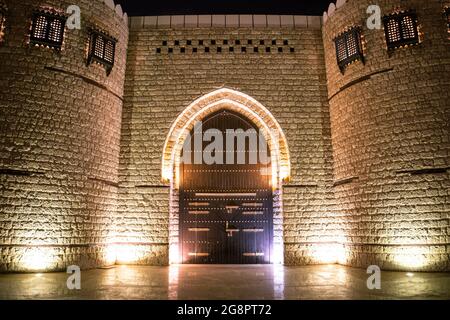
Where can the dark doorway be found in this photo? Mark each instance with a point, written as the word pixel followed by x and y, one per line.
pixel 226 210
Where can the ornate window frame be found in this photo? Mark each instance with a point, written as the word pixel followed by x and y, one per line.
pixel 349 48
pixel 102 49
pixel 47 29
pixel 3 11
pixel 401 29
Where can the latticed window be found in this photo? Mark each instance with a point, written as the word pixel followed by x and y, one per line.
pixel 349 48
pixel 48 29
pixel 401 29
pixel 102 50
pixel 2 21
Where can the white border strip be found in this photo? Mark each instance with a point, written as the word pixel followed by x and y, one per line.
pixel 226 21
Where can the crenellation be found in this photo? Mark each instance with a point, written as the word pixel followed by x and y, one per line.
pixel 225 21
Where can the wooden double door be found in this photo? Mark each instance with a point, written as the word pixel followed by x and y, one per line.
pixel 226 209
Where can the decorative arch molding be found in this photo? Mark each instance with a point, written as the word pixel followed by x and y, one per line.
pixel 262 118
pixel 235 101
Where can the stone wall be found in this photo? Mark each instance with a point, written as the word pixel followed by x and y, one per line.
pixel 59 141
pixel 390 122
pixel 171 65
pixel 81 152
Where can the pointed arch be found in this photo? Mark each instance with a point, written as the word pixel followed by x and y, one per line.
pixel 235 101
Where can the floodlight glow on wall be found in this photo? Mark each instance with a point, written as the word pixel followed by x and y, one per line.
pixel 36 259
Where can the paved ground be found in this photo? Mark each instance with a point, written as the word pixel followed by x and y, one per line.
pixel 226 282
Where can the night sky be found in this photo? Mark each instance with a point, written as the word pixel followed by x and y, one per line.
pixel 174 7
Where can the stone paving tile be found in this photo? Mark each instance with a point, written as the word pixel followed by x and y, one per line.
pixel 197 282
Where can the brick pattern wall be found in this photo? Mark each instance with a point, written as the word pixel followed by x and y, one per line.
pixel 369 149
pixel 59 142
pixel 162 80
pixel 390 120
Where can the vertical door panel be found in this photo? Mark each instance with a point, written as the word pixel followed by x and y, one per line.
pixel 226 210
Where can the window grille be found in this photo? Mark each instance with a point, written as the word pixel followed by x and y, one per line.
pixel 102 49
pixel 2 21
pixel 348 48
pixel 401 29
pixel 47 29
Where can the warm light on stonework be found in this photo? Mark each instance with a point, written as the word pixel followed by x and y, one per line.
pixel 411 257
pixel 328 253
pixel 111 255
pixel 38 259
pixel 278 253
pixel 122 253
pixel 128 254
pixel 174 254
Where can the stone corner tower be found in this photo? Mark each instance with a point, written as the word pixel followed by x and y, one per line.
pixel 60 119
pixel 390 120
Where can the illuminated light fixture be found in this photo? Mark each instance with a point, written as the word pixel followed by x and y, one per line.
pixel 278 253
pixel 349 48
pixel 111 256
pixel 47 29
pixel 175 254
pixel 401 29
pixel 38 259
pixel 102 50
pixel 411 257
pixel 328 253
pixel 125 253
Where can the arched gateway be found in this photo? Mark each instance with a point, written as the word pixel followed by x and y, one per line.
pixel 222 211
pixel 226 204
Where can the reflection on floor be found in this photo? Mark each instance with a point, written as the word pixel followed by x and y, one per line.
pixel 226 282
